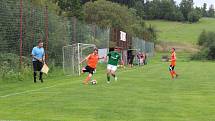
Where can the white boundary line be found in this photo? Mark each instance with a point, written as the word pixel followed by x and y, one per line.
pixel 27 91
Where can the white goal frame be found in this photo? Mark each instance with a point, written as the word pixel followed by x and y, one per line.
pixel 72 56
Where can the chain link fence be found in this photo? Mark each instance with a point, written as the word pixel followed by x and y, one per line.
pixel 23 23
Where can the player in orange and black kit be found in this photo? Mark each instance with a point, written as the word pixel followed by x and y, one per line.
pixel 92 60
pixel 173 64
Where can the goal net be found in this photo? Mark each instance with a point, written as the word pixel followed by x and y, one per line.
pixel 73 54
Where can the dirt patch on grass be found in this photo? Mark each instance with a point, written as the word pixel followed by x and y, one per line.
pixel 180 47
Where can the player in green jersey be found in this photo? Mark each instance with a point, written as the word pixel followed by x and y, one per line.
pixel 113 59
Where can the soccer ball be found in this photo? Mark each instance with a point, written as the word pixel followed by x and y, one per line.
pixel 94 82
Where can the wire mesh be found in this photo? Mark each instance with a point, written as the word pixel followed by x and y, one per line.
pixel 22 24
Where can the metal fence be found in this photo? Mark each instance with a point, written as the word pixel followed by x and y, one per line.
pixel 143 46
pixel 22 23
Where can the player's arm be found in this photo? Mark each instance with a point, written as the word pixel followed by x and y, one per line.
pixel 85 59
pixel 44 57
pixel 105 58
pixel 41 60
pixel 102 57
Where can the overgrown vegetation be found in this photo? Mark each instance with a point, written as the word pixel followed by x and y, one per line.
pixel 207 43
pixel 10 67
pixel 168 9
pixel 111 15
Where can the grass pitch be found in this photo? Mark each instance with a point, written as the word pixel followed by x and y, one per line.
pixel 182 32
pixel 141 94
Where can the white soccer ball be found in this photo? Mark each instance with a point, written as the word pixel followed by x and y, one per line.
pixel 94 82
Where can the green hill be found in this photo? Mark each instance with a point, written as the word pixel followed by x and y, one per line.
pixel 182 32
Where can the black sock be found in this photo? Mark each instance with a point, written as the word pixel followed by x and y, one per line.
pixel 41 76
pixel 113 75
pixel 108 77
pixel 35 77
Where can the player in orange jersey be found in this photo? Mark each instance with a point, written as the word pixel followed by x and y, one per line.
pixel 173 64
pixel 92 60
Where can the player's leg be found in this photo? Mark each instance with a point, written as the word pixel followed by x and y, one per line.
pixel 108 72
pixel 171 71
pixel 35 71
pixel 88 78
pixel 40 64
pixel 113 72
pixel 174 72
pixel 90 70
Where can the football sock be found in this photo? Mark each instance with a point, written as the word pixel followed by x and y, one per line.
pixel 113 75
pixel 87 79
pixel 108 77
pixel 172 74
pixel 35 76
pixel 41 76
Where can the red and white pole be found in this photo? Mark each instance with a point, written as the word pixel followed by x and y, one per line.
pixel 21 14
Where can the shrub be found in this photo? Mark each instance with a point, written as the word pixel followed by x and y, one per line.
pixel 207 43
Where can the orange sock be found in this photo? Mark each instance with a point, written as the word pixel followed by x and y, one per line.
pixel 87 79
pixel 172 74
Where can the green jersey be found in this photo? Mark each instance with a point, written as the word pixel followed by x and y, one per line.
pixel 113 58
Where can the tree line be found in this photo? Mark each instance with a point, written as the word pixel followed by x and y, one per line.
pixel 108 14
pixel 167 9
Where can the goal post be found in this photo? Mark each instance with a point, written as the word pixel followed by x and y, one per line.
pixel 73 54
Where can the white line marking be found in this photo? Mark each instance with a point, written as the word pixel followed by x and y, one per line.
pixel 27 91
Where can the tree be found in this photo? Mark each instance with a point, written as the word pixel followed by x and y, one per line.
pixel 204 10
pixel 211 12
pixel 186 6
pixel 71 8
pixel 129 3
pixel 107 14
pixel 207 42
pixel 162 9
pixel 139 6
pixel 202 38
pixel 193 16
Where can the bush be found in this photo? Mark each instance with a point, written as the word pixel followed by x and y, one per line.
pixel 207 42
pixel 179 16
pixel 10 67
pixel 201 55
pixel 193 16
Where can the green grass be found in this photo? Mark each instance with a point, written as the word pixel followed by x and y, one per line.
pixel 140 94
pixel 182 32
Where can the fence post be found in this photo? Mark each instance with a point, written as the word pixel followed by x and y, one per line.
pixel 21 32
pixel 74 30
pixel 47 31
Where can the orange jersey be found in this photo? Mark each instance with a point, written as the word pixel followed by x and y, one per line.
pixel 173 59
pixel 92 60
